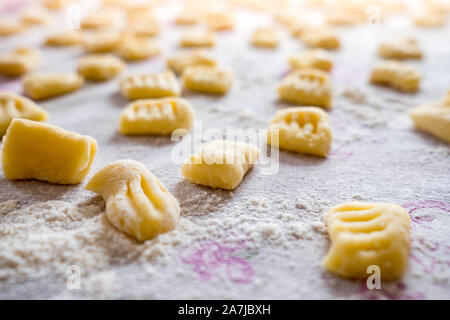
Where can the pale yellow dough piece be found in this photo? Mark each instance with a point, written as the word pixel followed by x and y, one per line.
pixel 365 234
pixel 207 79
pixel 9 28
pixel 314 58
pixel 400 49
pixel 100 19
pixel 188 17
pixel 156 85
pixel 182 60
pixel 64 39
pixel 197 38
pixel 434 118
pixel 320 37
pixel 19 61
pixel 136 201
pixel 35 150
pixel 156 116
pixel 266 37
pixel 220 164
pixel 307 86
pixel 14 106
pixel 36 15
pixel 101 41
pixel 40 86
pixel 146 27
pixel 219 21
pixel 429 19
pixel 136 48
pixel 100 67
pixel 55 4
pixel 397 75
pixel 301 129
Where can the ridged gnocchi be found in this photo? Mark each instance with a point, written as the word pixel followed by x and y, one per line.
pixel 100 67
pixel 137 203
pixel 64 39
pixel 365 234
pixel 182 60
pixel 36 150
pixel 14 106
pixel 434 118
pixel 156 116
pixel 320 37
pixel 136 48
pixel 40 86
pixel 220 164
pixel 301 129
pixel 400 49
pixel 156 85
pixel 307 86
pixel 397 75
pixel 266 37
pixel 207 79
pixel 101 41
pixel 19 61
pixel 314 58
pixel 197 38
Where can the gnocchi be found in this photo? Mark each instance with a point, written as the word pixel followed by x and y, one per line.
pixel 36 16
pixel 197 38
pixel 181 61
pixel 137 203
pixel 156 116
pixel 399 49
pixel 314 58
pixel 219 21
pixel 14 106
pixel 137 48
pixel 99 67
pixel 101 41
pixel 320 37
pixel 157 85
pixel 40 86
pixel 35 150
pixel 364 234
pixel 306 87
pixel 265 37
pixel 146 27
pixel 207 79
pixel 9 28
pixel 434 118
pixel 220 164
pixel 64 39
pixel 397 75
pixel 19 61
pixel 100 19
pixel 187 17
pixel 301 129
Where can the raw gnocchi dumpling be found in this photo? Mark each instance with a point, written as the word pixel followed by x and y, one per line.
pixel 220 164
pixel 45 85
pixel 14 106
pixel 207 79
pixel 434 118
pixel 320 37
pixel 156 85
pixel 36 150
pixel 314 58
pixel 100 19
pixel 19 61
pixel 64 39
pixel 136 201
pixel 181 61
pixel 8 28
pixel 101 41
pixel 219 21
pixel 146 27
pixel 306 87
pixel 399 49
pixel 397 75
pixel 265 37
pixel 100 67
pixel 365 234
pixel 136 48
pixel 156 116
pixel 36 15
pixel 197 38
pixel 301 129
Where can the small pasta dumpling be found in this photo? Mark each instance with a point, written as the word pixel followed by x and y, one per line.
pixel 14 106
pixel 301 129
pixel 183 60
pixel 64 39
pixel 265 37
pixel 397 75
pixel 197 38
pixel 220 164
pixel 365 234
pixel 101 41
pixel 36 150
pixel 9 27
pixel 36 16
pixel 313 58
pixel 307 86
pixel 400 49
pixel 134 48
pixel 100 67
pixel 19 61
pixel 188 17
pixel 147 27
pixel 156 116
pixel 40 86
pixel 207 79
pixel 429 19
pixel 55 4
pixel 219 21
pixel 433 118
pixel 137 203
pixel 320 37
pixel 104 18
pixel 156 85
